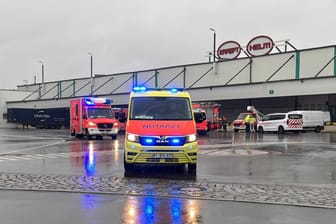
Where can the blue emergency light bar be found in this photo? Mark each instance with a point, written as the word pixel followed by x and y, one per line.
pixel 174 90
pixel 139 89
pixel 88 101
pixel 97 101
pixel 144 89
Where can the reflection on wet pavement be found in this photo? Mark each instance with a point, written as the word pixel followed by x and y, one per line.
pixel 149 210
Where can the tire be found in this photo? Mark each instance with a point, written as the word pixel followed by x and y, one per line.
pixel 235 130
pixel 88 136
pixel 260 130
pixel 127 167
pixel 78 135
pixel 99 137
pixel 114 137
pixel 281 130
pixel 192 168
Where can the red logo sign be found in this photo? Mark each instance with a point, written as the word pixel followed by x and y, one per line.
pixel 229 50
pixel 260 45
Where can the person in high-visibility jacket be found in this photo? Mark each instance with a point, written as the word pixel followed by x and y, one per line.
pixel 252 122
pixel 247 122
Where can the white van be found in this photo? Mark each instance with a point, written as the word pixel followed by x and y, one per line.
pixel 280 123
pixel 312 119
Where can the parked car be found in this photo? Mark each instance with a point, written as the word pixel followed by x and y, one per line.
pixel 239 123
pixel 280 123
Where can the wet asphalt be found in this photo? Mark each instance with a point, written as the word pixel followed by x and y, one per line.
pixel 48 177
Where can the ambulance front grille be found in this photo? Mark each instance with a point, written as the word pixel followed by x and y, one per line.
pixel 147 158
pixel 167 160
pixel 104 126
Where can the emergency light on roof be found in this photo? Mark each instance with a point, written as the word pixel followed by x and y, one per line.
pixel 144 89
pixel 139 89
pixel 97 101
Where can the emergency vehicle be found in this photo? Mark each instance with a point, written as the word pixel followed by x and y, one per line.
pixel 91 116
pixel 212 115
pixel 239 123
pixel 121 116
pixel 160 129
pixel 201 120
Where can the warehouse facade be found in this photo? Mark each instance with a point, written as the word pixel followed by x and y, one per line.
pixel 278 82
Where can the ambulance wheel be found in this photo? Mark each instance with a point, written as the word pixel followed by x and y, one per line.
pixel 317 129
pixel 235 130
pixel 114 137
pixel 88 136
pixel 192 168
pixel 128 167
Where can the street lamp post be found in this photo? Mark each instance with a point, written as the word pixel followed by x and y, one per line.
pixel 91 74
pixel 214 44
pixel 42 64
pixel 91 60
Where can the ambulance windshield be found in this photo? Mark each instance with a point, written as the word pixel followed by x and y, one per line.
pixel 100 113
pixel 160 108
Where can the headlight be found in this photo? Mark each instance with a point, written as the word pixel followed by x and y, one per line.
pixel 191 138
pixel 91 124
pixel 131 137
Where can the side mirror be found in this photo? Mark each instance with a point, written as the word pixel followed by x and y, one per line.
pixel 198 118
pixel 84 116
pixel 122 117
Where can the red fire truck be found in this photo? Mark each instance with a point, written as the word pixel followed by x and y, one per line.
pixel 211 111
pixel 121 116
pixel 201 120
pixel 91 116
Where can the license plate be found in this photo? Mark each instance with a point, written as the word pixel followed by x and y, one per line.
pixel 162 156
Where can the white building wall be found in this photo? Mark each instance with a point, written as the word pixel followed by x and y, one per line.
pixel 166 77
pixel 312 61
pixel 228 73
pixel 194 72
pixel 264 67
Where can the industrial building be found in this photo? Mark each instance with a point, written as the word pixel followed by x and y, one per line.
pixel 276 82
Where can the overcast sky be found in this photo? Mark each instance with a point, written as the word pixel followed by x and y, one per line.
pixel 127 36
